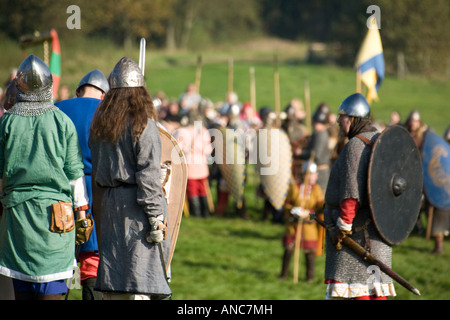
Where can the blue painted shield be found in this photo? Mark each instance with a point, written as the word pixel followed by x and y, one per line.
pixel 436 170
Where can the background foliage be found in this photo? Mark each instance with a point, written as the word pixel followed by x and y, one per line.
pixel 416 28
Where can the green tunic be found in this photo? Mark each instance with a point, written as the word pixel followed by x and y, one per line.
pixel 39 156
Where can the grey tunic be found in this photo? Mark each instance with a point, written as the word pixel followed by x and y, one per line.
pixel 131 173
pixel 348 179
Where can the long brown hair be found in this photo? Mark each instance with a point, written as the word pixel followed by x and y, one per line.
pixel 119 108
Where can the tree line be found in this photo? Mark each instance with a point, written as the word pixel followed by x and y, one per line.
pixel 416 29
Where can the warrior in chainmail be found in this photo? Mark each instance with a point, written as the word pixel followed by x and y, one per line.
pixel 41 165
pixel 346 198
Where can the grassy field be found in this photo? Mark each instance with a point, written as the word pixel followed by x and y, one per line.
pixel 234 259
pixel 230 258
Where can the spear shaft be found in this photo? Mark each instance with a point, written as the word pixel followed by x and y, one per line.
pixel 367 256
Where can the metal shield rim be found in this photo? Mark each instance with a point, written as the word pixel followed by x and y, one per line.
pixel 406 134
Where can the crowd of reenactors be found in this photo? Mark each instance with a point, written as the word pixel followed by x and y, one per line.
pixel 315 148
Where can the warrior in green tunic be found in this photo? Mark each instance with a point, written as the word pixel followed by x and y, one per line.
pixel 40 164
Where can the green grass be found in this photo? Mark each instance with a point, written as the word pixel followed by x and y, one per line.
pixel 234 259
pixel 237 259
pixel 229 258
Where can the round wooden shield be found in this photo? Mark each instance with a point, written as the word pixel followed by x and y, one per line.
pixel 395 184
pixel 436 170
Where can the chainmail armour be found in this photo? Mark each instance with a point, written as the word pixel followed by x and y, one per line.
pixel 33 104
pixel 348 179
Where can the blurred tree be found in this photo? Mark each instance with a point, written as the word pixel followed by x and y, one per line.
pixel 121 20
pixel 125 20
pixel 417 30
pixel 18 17
pixel 212 21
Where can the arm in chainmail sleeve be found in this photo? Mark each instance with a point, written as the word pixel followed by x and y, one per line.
pixel 351 187
pixel 148 174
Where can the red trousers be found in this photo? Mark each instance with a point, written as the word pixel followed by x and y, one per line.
pixel 196 188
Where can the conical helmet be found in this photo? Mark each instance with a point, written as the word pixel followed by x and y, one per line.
pixel 95 78
pixel 355 106
pixel 33 75
pixel 126 74
pixel 322 114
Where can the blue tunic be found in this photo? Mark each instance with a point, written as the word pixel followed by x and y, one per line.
pixel 81 111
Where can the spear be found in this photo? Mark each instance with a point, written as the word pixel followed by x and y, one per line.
pixel 367 256
pixel 252 88
pixel 308 106
pixel 198 73
pixel 230 75
pixel 276 79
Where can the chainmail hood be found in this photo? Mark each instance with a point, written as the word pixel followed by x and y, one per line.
pixel 33 103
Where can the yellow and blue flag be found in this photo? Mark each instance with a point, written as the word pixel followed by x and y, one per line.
pixel 370 63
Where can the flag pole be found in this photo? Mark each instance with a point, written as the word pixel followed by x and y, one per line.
pixel 358 80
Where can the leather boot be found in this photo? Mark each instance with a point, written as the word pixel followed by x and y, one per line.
pixel 205 207
pixel 310 264
pixel 438 244
pixel 195 207
pixel 285 262
pixel 88 292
